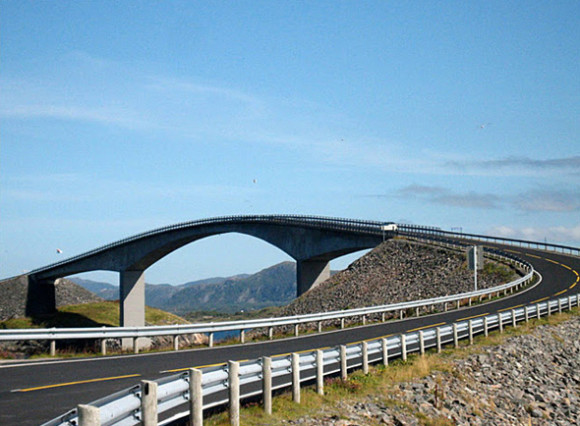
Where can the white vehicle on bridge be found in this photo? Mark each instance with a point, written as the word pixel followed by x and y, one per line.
pixel 389 226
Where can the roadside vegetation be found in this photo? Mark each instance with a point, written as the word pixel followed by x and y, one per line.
pixel 89 315
pixel 381 385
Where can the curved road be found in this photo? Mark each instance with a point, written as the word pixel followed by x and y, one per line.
pixel 35 392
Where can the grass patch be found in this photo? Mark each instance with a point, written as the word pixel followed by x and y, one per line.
pixel 89 315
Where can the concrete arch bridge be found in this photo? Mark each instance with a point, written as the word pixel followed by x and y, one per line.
pixel 311 241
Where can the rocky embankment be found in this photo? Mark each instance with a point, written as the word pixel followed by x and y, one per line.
pixel 395 271
pixel 531 379
pixel 13 295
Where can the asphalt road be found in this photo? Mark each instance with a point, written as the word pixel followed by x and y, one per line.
pixel 34 392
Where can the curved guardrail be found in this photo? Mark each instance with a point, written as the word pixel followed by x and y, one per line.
pixel 228 383
pixel 105 333
pixel 426 230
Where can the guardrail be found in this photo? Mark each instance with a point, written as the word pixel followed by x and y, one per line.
pixel 105 333
pixel 201 389
pixel 425 230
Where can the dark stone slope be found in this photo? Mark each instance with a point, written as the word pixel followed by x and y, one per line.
pixel 13 295
pixel 395 271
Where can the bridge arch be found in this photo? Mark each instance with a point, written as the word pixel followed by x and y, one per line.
pixel 311 241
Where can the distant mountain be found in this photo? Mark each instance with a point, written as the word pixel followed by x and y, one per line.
pixel 105 290
pixel 272 286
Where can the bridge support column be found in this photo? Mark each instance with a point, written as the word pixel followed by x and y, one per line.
pixel 132 305
pixel 40 297
pixel 310 273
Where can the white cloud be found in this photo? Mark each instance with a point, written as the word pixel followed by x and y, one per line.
pixel 550 201
pixel 535 200
pixel 521 165
pixel 447 197
pixel 554 234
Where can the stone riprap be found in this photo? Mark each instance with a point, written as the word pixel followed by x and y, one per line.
pixel 395 271
pixel 531 379
pixel 13 295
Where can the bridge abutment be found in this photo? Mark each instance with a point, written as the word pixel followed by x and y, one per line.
pixel 310 273
pixel 41 297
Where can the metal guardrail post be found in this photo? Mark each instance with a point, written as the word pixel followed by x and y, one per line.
pixel 210 340
pixel 296 378
pixel 365 357
pixel 267 384
pixel 455 336
pixel 514 320
pixel 320 372
pixel 270 333
pixel 438 337
pixel 296 331
pixel 89 415
pixel 421 343
pixel 196 397
pixel 53 348
pixel 485 326
pixel 385 348
pixel 234 392
pixel 343 364
pixel 470 327
pixel 527 314
pixel 176 342
pixel 500 322
pixel 404 347
pixel 149 403
pixel 242 336
pixel 103 346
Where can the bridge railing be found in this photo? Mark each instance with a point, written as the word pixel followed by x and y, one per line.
pixel 425 230
pixel 232 382
pixel 104 333
pixel 353 225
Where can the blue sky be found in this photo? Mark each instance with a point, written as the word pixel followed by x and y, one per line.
pixel 121 117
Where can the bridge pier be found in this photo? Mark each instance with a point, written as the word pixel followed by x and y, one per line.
pixel 310 273
pixel 40 297
pixel 132 305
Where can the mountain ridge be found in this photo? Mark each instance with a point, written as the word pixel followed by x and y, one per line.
pixel 272 286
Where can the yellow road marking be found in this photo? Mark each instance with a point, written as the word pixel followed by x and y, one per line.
pixel 533 255
pixel 426 326
pixel 553 261
pixel 560 292
pixel 104 379
pixel 511 307
pixel 540 300
pixel 474 316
